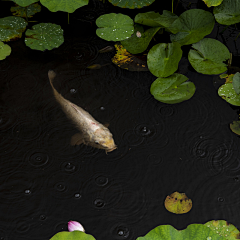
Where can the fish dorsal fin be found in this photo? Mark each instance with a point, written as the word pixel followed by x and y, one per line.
pixel 77 139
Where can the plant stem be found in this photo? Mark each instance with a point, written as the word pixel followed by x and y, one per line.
pixel 224 29
pixel 172 5
pixel 68 18
pixel 237 37
pixel 26 13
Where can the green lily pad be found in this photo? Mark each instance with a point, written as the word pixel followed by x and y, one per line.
pixel 62 5
pixel 211 3
pixel 208 56
pixel 235 127
pixel 72 236
pixel 228 12
pixel 44 36
pixel 163 59
pixel 11 28
pixel 173 89
pixel 131 3
pixel 24 3
pixel 21 11
pixel 192 26
pixel 114 27
pixel 236 82
pixel 136 44
pixel 224 229
pixel 5 50
pixel 193 231
pixel 154 19
pixel 227 92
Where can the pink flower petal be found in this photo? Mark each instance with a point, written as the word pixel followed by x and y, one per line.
pixel 73 226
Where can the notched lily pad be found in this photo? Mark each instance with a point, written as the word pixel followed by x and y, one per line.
pixel 235 127
pixel 5 50
pixel 227 92
pixel 131 3
pixel 72 236
pixel 44 36
pixel 163 59
pixel 173 89
pixel 211 3
pixel 128 61
pixel 208 56
pixel 11 28
pixel 236 82
pixel 224 229
pixel 136 44
pixel 114 27
pixel 24 3
pixel 29 11
pixel 178 203
pixel 62 5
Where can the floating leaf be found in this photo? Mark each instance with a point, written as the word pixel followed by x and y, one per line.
pixel 154 19
pixel 44 36
pixel 24 3
pixel 173 89
pixel 131 3
pixel 235 127
pixel 236 82
pixel 126 60
pixel 72 236
pixel 114 27
pixel 208 56
pixel 163 59
pixel 178 203
pixel 5 50
pixel 211 3
pixel 21 11
pixel 193 231
pixel 228 12
pixel 62 5
pixel 192 26
pixel 136 44
pixel 223 228
pixel 228 93
pixel 11 28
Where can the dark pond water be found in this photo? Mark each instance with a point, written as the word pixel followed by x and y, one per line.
pixel 45 182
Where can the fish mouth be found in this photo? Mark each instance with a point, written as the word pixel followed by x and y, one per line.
pixel 110 149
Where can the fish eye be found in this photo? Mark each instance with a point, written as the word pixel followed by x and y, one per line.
pixel 96 142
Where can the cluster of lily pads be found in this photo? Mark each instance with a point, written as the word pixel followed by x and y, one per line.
pixel 212 230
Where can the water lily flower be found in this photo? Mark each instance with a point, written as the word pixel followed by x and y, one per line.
pixel 73 226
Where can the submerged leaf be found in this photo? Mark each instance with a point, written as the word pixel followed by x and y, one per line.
pixel 5 50
pixel 235 127
pixel 21 11
pixel 236 82
pixel 11 28
pixel 178 203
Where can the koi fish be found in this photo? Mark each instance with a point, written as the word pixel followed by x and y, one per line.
pixel 91 132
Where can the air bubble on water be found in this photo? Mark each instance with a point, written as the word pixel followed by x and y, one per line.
pixel 102 108
pixel 77 195
pixel 27 191
pixel 73 90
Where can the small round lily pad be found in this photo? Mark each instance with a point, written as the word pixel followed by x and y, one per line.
pixel 235 127
pixel 5 50
pixel 178 203
pixel 11 28
pixel 22 11
pixel 114 27
pixel 24 3
pixel 72 236
pixel 227 92
pixel 131 3
pixel 44 36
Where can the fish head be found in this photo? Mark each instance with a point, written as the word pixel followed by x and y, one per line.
pixel 104 139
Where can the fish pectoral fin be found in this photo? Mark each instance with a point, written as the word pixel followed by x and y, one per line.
pixel 77 139
pixel 106 125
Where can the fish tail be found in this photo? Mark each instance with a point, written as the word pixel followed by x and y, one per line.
pixel 51 76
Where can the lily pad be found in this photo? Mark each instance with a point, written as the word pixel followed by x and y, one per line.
pixel 44 36
pixel 62 5
pixel 211 3
pixel 114 27
pixel 236 82
pixel 223 228
pixel 131 3
pixel 208 56
pixel 72 236
pixel 11 28
pixel 136 44
pixel 128 61
pixel 228 12
pixel 21 11
pixel 163 59
pixel 5 50
pixel 192 26
pixel 154 19
pixel 173 89
pixel 178 203
pixel 24 3
pixel 235 127
pixel 193 231
pixel 228 93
